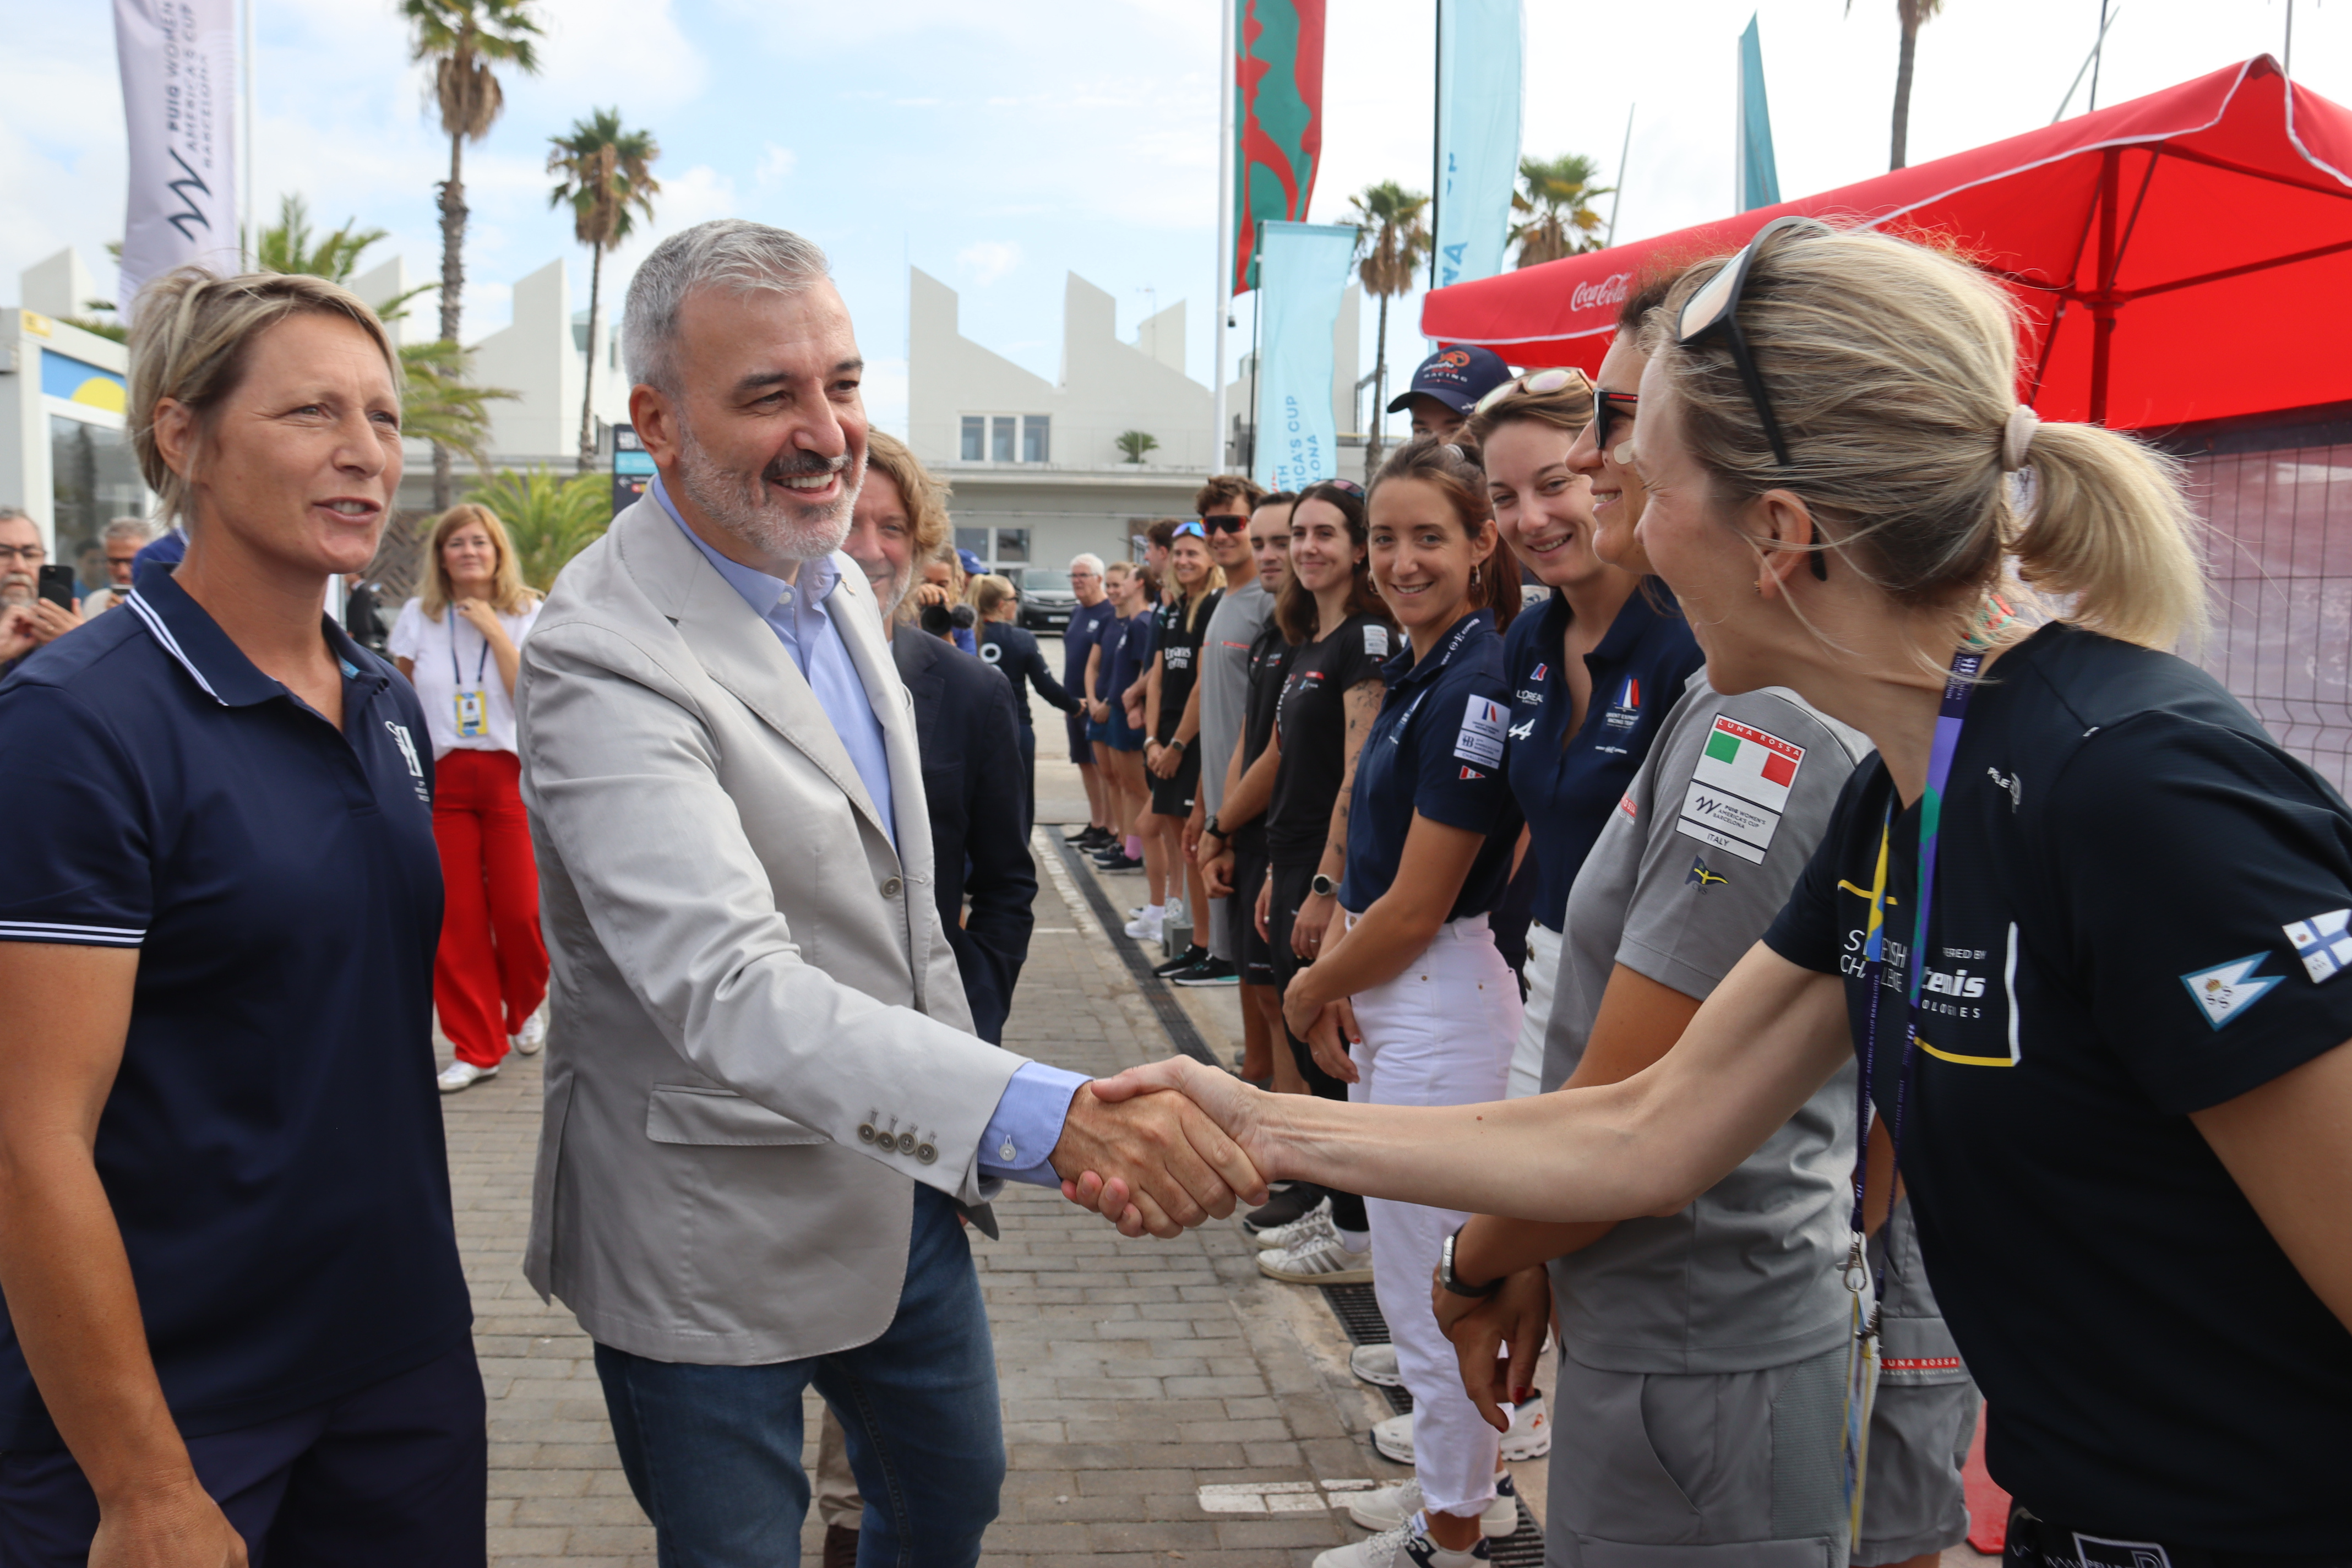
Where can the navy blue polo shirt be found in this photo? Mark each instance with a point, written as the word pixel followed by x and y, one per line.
pixel 1078 638
pixel 1436 749
pixel 271 1147
pixel 1566 786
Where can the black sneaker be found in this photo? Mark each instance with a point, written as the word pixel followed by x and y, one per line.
pixel 1192 957
pixel 1208 972
pixel 1119 863
pixel 1287 1205
pixel 1085 838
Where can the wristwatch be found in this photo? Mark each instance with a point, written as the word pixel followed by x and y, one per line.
pixel 1445 1272
pixel 1175 745
pixel 1210 829
pixel 1323 886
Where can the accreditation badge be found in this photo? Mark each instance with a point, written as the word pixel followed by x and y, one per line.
pixel 473 715
pixel 1861 1394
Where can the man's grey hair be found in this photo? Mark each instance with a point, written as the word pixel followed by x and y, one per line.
pixel 1089 560
pixel 137 528
pixel 730 253
pixel 13 513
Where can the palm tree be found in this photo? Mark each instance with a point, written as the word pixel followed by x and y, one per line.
pixel 1912 15
pixel 1392 242
pixel 438 404
pixel 1557 193
pixel 1136 444
pixel 465 41
pixel 606 180
pixel 549 520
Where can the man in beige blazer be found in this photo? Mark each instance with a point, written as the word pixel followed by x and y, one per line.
pixel 765 1108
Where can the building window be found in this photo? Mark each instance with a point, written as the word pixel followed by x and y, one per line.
pixel 1036 438
pixel 974 539
pixel 1012 545
pixel 1000 445
pixel 94 480
pixel 975 439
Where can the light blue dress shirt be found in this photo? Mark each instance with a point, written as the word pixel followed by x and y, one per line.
pixel 1036 1100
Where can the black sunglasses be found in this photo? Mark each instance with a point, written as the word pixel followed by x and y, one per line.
pixel 1224 522
pixel 1714 312
pixel 1609 408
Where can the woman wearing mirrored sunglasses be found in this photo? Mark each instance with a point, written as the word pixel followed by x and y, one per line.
pixel 2083 920
pixel 1592 670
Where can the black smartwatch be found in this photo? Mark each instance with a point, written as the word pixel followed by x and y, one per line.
pixel 1210 829
pixel 1445 1272
pixel 1323 886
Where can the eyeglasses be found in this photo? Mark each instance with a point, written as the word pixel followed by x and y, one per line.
pixel 1714 312
pixel 1608 409
pixel 1188 530
pixel 1224 522
pixel 1540 383
pixel 31 554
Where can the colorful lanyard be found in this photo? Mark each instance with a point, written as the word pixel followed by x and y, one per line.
pixel 456 677
pixel 1961 687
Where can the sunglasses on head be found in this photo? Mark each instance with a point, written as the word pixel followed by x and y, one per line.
pixel 1224 522
pixel 1540 382
pixel 1714 312
pixel 1349 487
pixel 1188 530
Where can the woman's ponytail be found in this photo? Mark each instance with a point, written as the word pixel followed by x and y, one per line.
pixel 2108 527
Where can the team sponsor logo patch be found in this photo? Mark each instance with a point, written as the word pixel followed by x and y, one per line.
pixel 1376 640
pixel 1626 712
pixel 2323 943
pixel 1740 788
pixel 2097 1552
pixel 1471 773
pixel 1483 724
pixel 1625 803
pixel 1536 674
pixel 2228 989
pixel 1702 877
pixel 1524 732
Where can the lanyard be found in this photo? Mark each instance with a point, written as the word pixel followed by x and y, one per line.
pixel 1958 691
pixel 457 677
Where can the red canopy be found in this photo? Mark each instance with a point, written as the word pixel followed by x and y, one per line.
pixel 2186 256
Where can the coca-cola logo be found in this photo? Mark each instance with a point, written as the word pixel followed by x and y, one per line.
pixel 1609 290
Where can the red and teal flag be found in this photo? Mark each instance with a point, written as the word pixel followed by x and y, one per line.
pixel 1278 120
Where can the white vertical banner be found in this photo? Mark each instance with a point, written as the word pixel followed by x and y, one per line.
pixel 1302 272
pixel 179 99
pixel 1480 50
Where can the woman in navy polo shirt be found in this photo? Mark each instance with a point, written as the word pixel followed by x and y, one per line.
pixel 1592 673
pixel 234 1302
pixel 1414 978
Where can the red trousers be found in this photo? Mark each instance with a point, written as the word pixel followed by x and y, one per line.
pixel 490 973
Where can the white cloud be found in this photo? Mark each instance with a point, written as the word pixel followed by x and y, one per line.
pixel 988 260
pixel 775 166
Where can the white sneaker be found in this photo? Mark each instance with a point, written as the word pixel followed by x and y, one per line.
pixel 1146 926
pixel 1528 1438
pixel 1406 1546
pixel 1377 1364
pixel 1317 1259
pixel 463 1075
pixel 1391 1506
pixel 533 1036
pixel 1313 1222
pixel 1175 911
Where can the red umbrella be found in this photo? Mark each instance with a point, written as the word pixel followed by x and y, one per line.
pixel 2186 256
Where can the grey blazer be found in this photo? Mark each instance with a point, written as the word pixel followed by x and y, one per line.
pixel 758 1041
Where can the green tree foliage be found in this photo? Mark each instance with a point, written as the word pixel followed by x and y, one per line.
pixel 1136 444
pixel 1391 243
pixel 550 519
pixel 1557 195
pixel 606 180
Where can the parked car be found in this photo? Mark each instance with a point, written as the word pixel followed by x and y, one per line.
pixel 1047 601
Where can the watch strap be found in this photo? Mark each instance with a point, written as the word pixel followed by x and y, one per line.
pixel 1445 1275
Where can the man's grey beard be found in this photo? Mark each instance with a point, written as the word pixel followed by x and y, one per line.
pixel 17 589
pixel 740 504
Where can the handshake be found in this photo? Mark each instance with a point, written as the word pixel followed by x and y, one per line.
pixel 1167 1146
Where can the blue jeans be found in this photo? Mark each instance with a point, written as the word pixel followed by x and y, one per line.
pixel 713 1453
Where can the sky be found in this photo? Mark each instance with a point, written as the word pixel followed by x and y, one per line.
pixel 1000 146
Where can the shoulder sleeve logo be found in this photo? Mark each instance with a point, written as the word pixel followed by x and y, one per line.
pixel 2228 989
pixel 1376 640
pixel 1481 740
pixel 2323 943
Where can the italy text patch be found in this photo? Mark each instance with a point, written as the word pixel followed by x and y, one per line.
pixel 1740 788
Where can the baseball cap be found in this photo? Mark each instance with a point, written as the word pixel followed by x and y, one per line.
pixel 972 565
pixel 1457 377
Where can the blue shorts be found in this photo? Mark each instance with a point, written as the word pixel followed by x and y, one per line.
pixel 390 1476
pixel 1081 733
pixel 1098 729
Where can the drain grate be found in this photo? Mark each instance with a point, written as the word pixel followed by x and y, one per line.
pixel 1359 1311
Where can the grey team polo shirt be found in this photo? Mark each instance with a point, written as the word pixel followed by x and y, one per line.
pixel 1688 871
pixel 1240 615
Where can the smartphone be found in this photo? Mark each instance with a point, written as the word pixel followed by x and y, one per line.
pixel 58 585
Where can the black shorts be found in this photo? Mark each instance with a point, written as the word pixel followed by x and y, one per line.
pixel 1173 796
pixel 1082 747
pixel 1257 956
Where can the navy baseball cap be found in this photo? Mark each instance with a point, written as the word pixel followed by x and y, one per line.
pixel 974 565
pixel 1457 377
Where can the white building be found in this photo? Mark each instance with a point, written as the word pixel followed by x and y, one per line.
pixel 1036 465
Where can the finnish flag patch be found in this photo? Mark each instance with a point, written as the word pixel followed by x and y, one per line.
pixel 2323 942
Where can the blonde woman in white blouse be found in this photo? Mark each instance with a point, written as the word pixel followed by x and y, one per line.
pixel 459 642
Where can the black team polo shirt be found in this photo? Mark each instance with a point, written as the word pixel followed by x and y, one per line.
pixel 272 1145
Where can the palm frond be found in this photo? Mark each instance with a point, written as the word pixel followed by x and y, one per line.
pixel 549 520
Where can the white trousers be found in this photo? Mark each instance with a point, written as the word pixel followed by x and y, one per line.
pixel 1439 1033
pixel 1543 975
